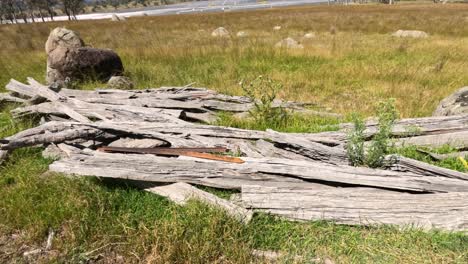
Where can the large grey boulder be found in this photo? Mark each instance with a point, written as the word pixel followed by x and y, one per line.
pixel 62 37
pixel 69 59
pixel 455 104
pixel 84 64
pixel 410 34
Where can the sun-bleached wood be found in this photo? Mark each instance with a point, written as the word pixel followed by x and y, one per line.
pixel 263 171
pixel 296 164
pixel 198 104
pixel 362 207
pixel 181 192
pixel 399 163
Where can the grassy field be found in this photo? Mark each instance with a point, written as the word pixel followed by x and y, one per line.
pixel 344 72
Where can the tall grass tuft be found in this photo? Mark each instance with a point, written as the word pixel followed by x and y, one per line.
pixel 380 144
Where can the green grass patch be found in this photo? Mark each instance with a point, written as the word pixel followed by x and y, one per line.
pixel 294 123
pixel 346 72
pixel 415 153
pixel 96 219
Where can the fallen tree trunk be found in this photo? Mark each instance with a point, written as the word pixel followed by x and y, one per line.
pixel 201 104
pixel 399 163
pixel 303 175
pixel 172 105
pixel 264 171
pixel 411 127
pixel 37 90
pixel 457 140
pixel 361 207
pixel 175 135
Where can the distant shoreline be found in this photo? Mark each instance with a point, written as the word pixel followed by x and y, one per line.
pixel 196 7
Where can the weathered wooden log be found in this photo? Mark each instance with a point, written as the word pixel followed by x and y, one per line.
pixel 362 207
pixel 403 164
pixel 181 135
pixel 278 144
pixel 156 169
pixel 137 143
pixel 266 171
pixel 53 132
pixel 181 192
pixel 4 97
pixel 426 131
pixel 458 140
pixel 411 127
pixel 15 141
pixel 296 164
pixel 36 89
pixel 115 113
pixel 199 102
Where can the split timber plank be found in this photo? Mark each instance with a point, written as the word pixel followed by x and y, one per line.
pixel 399 163
pixel 363 207
pixel 115 113
pixel 406 129
pixel 181 192
pixel 177 135
pixel 150 168
pixel 5 97
pixel 200 101
pixel 458 140
pixel 36 89
pixel 20 88
pixel 264 171
pixel 409 127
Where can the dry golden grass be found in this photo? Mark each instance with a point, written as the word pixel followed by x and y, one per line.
pixel 345 72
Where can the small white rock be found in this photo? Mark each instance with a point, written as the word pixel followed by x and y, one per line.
pixel 276 28
pixel 410 33
pixel 120 82
pixel 310 35
pixel 220 33
pixel 289 43
pixel 115 17
pixel 241 34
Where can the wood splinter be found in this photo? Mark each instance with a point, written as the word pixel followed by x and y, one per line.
pixel 202 153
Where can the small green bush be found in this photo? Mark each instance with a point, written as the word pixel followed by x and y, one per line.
pixel 356 138
pixel 380 143
pixel 264 91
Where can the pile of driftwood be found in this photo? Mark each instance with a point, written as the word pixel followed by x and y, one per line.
pixel 149 138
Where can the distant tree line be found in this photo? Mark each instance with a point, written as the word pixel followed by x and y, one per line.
pixel 117 3
pixel 13 11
